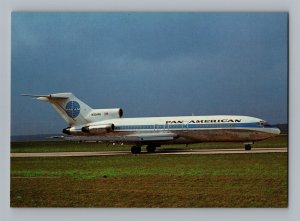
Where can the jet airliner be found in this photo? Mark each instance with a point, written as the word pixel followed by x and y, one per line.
pixel 109 125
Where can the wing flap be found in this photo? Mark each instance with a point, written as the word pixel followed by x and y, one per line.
pixel 132 138
pixel 153 137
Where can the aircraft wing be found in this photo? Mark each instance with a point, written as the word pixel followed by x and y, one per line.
pixel 132 138
pixel 143 137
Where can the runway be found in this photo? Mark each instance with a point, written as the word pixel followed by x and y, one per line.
pixel 159 152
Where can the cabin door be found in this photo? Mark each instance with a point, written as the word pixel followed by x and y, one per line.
pixel 185 126
pixel 166 127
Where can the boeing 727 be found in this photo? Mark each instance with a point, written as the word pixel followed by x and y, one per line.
pixel 108 125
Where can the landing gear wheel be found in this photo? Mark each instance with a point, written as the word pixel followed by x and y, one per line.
pixel 136 150
pixel 150 149
pixel 247 146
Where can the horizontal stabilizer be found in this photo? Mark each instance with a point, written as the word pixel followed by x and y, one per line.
pixel 34 95
pixel 57 96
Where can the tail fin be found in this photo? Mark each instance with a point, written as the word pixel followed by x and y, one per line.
pixel 70 108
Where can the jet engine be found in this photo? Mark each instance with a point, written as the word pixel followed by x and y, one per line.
pixel 107 113
pixel 98 129
pixel 67 131
pixel 72 131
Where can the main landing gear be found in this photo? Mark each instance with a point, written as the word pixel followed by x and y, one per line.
pixel 248 146
pixel 137 149
pixel 151 148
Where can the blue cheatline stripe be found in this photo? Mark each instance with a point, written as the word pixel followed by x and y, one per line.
pixel 187 126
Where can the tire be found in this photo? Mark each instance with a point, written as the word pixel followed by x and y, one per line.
pixel 150 149
pixel 247 146
pixel 136 150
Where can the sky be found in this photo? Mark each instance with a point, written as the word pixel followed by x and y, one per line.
pixel 149 64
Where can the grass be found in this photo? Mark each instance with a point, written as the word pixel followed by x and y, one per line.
pixel 225 180
pixel 67 146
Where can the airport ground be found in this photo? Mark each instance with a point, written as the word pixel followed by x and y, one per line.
pixel 149 180
pixel 70 146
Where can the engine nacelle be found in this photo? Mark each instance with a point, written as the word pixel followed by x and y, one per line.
pixel 67 131
pixel 98 129
pixel 106 113
pixel 72 131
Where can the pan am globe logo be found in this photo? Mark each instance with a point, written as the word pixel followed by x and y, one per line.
pixel 73 109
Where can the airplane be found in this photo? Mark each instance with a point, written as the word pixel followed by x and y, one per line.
pixel 109 125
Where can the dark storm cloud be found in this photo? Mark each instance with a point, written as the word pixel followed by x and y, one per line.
pixel 150 64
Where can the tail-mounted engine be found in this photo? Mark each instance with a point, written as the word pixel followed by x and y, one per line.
pixel 72 131
pixel 95 129
pixel 98 129
pixel 101 114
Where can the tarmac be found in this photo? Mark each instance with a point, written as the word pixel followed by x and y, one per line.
pixel 158 152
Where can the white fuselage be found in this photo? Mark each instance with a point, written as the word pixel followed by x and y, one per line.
pixel 182 129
